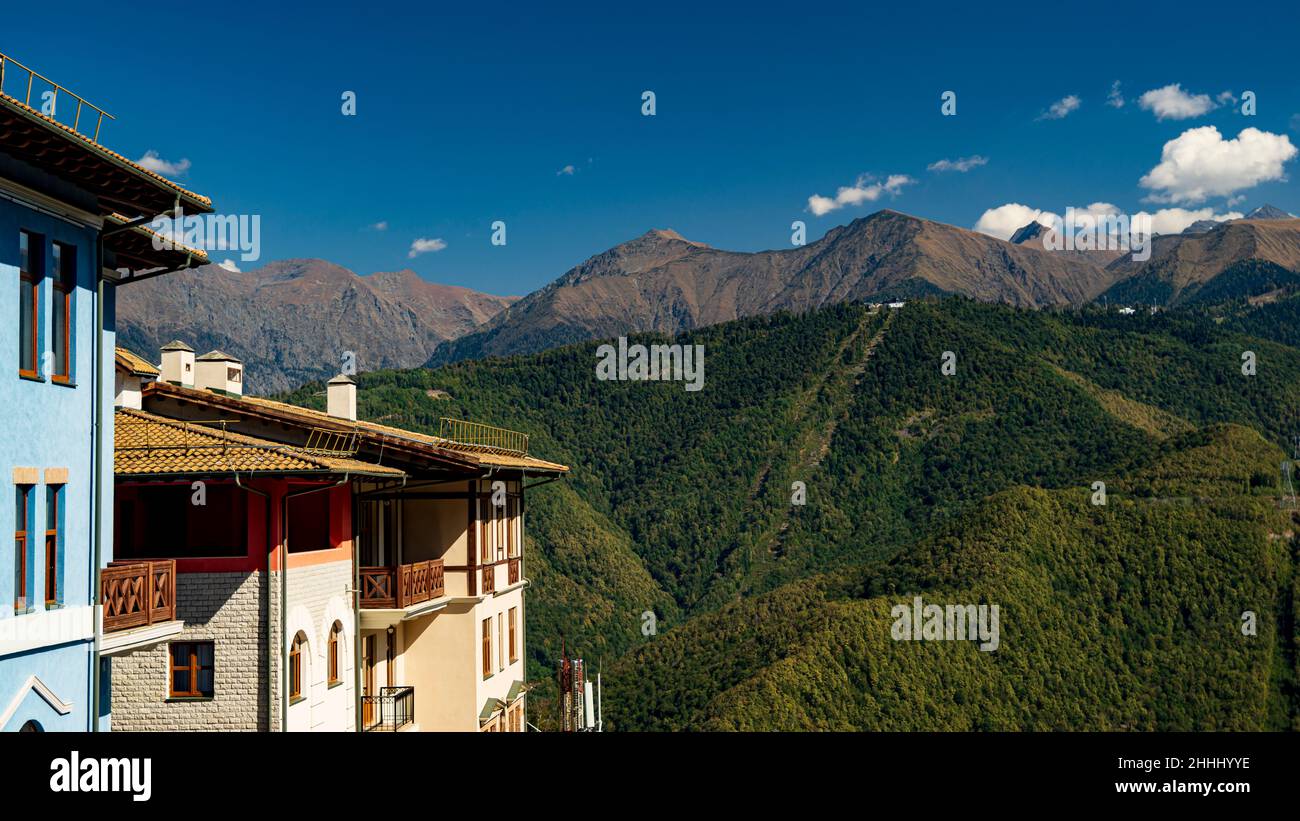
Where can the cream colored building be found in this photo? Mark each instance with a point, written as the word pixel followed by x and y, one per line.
pixel 432 633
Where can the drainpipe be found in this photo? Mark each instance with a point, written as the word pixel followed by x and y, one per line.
pixel 270 635
pixel 97 481
pixel 284 591
pixel 356 614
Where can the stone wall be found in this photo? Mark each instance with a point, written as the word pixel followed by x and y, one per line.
pixel 228 609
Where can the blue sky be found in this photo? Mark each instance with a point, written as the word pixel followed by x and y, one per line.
pixel 466 117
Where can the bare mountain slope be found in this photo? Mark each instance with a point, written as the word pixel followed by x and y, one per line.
pixel 662 282
pixel 293 321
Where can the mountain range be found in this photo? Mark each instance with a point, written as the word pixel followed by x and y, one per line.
pixel 291 321
pixel 296 320
pixel 664 283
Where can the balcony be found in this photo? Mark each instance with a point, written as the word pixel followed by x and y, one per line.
pixel 396 588
pixel 139 605
pixel 137 594
pixel 391 711
pixel 512 576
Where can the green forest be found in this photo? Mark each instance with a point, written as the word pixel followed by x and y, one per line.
pixel 978 486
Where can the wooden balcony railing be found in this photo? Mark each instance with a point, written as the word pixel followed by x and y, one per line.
pixel 138 593
pixel 403 585
pixel 513 571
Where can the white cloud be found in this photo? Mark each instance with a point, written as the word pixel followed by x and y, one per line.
pixel 1174 220
pixel 158 165
pixel 1172 103
pixel 230 266
pixel 1061 108
pixel 1002 222
pixel 567 171
pixel 961 164
pixel 1226 98
pixel 424 246
pixel 858 193
pixel 1115 99
pixel 1199 164
pixel 1005 220
pixel 382 225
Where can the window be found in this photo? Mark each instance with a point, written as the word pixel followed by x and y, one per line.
pixel 486 531
pixel 31 267
pixel 295 667
pixel 501 521
pixel 191 668
pixel 65 284
pixel 487 647
pixel 234 374
pixel 514 647
pixel 309 522
pixel 512 526
pixel 21 519
pixel 52 495
pixel 334 653
pixel 501 641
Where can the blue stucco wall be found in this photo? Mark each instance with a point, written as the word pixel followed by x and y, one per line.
pixel 47 425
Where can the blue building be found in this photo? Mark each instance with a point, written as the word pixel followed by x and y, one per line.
pixel 72 231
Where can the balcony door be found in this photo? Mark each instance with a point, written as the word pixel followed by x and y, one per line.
pixel 380 532
pixel 368 680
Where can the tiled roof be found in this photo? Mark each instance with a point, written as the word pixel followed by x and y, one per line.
pixel 146 444
pixel 471 454
pixel 135 365
pixel 112 156
pixel 138 242
pixel 475 454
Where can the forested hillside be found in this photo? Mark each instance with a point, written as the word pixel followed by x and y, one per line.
pixel 973 487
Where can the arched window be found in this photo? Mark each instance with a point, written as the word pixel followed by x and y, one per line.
pixel 335 634
pixel 32 726
pixel 295 666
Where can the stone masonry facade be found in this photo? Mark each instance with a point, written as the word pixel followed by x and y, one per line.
pixel 228 609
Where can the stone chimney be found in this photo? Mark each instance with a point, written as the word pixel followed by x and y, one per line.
pixel 341 398
pixel 178 364
pixel 220 372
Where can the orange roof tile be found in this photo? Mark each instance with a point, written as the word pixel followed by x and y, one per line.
pixel 146 444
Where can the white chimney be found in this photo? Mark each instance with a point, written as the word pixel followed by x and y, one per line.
pixel 341 398
pixel 178 364
pixel 220 372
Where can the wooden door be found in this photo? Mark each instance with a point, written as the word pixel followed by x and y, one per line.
pixel 367 680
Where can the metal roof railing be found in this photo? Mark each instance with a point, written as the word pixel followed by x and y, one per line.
pixel 476 435
pixel 6 61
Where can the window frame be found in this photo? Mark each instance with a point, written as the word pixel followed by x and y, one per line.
pixel 194 668
pixel 60 288
pixel 36 254
pixel 332 668
pixel 487 647
pixel 514 635
pixel 295 668
pixel 53 542
pixel 22 539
